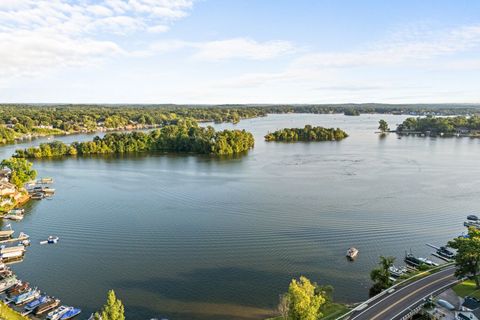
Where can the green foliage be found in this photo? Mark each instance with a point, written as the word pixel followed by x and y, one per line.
pixel 305 301
pixel 467 259
pixel 437 125
pixel 383 126
pixel 308 133
pixel 112 310
pixel 185 136
pixel 381 275
pixel 22 171
pixel 7 313
pixel 351 112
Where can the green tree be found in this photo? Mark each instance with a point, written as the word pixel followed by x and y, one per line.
pixel 22 171
pixel 112 310
pixel 467 259
pixel 305 301
pixel 381 275
pixel 383 125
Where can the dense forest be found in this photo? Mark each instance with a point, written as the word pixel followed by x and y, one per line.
pixel 308 133
pixel 441 125
pixel 185 136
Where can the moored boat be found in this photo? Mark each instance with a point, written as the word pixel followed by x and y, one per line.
pixel 14 214
pixel 7 283
pixel 12 252
pixel 428 262
pixel 4 234
pixel 72 312
pixel 25 297
pixel 472 217
pixel 18 288
pixel 37 196
pixel 47 306
pixel 35 303
pixel 410 259
pixel 46 180
pixel 444 252
pixel 352 253
pixel 57 313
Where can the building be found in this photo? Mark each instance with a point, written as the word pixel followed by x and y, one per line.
pixel 7 189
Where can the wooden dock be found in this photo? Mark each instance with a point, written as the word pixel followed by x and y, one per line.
pixel 14 239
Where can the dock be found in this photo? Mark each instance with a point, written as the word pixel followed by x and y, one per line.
pixel 25 237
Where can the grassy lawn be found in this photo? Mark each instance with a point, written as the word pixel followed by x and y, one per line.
pixel 467 288
pixel 9 314
pixel 330 312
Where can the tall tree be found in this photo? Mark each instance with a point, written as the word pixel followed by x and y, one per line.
pixel 467 259
pixel 383 125
pixel 305 301
pixel 112 310
pixel 22 171
pixel 381 275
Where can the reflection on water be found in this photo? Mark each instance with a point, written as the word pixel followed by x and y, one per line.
pixel 196 237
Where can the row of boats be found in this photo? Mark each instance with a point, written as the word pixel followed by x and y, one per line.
pixel 31 300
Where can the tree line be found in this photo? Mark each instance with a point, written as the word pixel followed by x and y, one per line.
pixel 184 137
pixel 308 133
pixel 446 125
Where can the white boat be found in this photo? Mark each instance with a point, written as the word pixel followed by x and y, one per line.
pixel 397 271
pixel 428 262
pixel 15 214
pixel 12 252
pixel 6 233
pixel 8 283
pixel 57 313
pixel 50 240
pixel 352 253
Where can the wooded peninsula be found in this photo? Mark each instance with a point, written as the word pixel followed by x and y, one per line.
pixel 184 137
pixel 443 126
pixel 308 133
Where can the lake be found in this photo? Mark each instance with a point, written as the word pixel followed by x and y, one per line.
pixel 196 237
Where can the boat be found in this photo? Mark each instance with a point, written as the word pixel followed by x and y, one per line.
pixel 444 252
pixel 25 242
pixel 37 196
pixel 48 190
pixel 20 287
pixel 14 215
pixel 5 234
pixel 410 259
pixel 5 273
pixel 352 253
pixel 47 306
pixel 472 217
pixel 8 283
pixel 12 252
pixel 57 313
pixel 72 312
pixel 428 262
pixel 50 240
pixel 35 303
pixel 46 180
pixel 475 224
pixel 25 297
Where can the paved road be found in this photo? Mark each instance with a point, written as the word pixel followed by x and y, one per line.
pixel 397 303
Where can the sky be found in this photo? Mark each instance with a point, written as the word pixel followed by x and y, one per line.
pixel 239 51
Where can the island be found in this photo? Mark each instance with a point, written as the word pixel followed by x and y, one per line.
pixel 308 133
pixel 184 137
pixel 351 112
pixel 441 126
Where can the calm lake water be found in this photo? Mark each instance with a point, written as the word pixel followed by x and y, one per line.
pixel 195 237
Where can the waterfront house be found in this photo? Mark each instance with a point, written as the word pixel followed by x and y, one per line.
pixel 5 175
pixel 6 188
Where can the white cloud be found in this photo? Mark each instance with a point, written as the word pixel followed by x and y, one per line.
pixel 36 35
pixel 236 48
pixel 242 48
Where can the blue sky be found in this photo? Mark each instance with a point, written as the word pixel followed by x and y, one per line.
pixel 242 51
